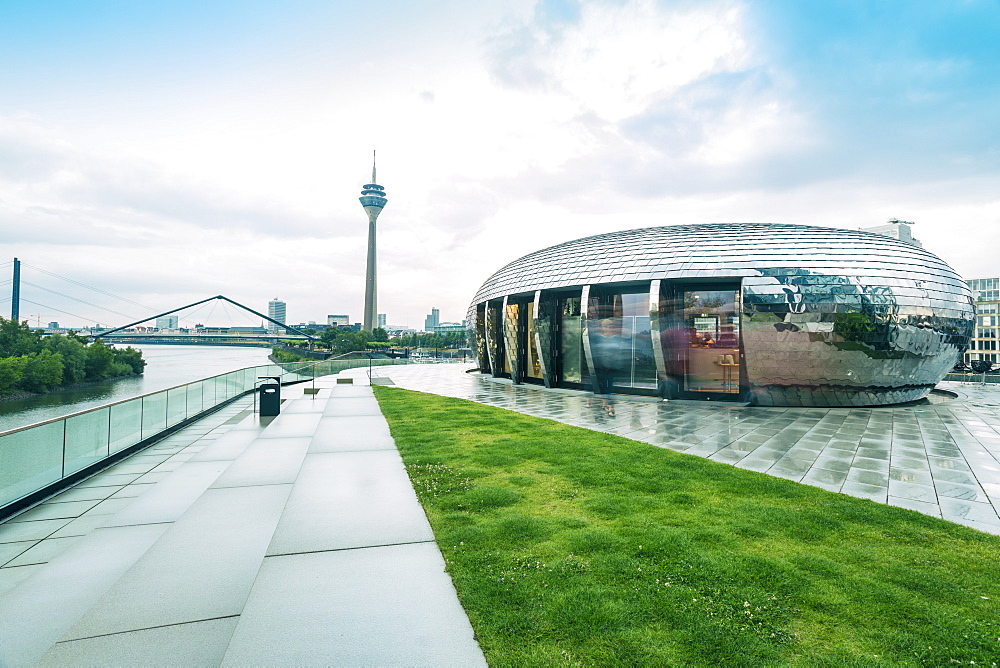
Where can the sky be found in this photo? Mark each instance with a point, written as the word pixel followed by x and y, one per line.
pixel 162 152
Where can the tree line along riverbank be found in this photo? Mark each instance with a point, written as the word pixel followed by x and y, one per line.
pixel 33 363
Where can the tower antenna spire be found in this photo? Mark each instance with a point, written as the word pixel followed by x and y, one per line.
pixel 373 167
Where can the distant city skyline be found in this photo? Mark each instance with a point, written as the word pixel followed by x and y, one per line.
pixel 166 152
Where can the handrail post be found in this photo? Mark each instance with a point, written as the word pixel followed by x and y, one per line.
pixel 62 471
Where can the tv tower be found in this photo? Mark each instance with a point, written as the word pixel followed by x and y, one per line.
pixel 373 200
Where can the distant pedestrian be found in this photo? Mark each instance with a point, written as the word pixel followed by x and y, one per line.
pixel 609 349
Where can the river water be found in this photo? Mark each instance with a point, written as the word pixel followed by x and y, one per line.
pixel 166 366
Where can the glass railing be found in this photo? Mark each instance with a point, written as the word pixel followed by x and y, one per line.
pixel 41 455
pixel 987 378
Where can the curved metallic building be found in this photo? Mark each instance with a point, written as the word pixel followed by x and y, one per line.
pixel 780 315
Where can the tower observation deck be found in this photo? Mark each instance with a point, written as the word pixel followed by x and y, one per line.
pixel 373 199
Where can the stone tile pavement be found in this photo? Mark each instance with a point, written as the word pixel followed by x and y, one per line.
pixel 940 457
pixel 239 540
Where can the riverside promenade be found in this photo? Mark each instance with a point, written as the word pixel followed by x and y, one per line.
pixel 940 456
pixel 238 540
pixel 298 539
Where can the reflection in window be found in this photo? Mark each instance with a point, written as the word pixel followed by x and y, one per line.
pixel 711 327
pixel 510 332
pixel 534 369
pixel 494 341
pixel 573 367
pixel 620 338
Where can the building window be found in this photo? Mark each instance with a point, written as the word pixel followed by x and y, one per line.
pixel 620 340
pixel 574 369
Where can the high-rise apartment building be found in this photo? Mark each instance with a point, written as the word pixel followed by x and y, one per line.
pixel 275 311
pixel 381 320
pixel 166 322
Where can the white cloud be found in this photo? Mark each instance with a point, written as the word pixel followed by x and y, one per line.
pixel 500 130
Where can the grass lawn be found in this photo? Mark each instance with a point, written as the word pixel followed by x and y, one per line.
pixel 572 547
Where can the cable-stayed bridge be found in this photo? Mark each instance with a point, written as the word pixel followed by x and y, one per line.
pixel 106 310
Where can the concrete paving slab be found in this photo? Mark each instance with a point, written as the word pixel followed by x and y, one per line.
pixel 152 477
pixel 347 434
pixel 987 527
pixel 348 500
pixel 10 551
pixel 385 606
pixel 37 612
pixel 825 478
pixel 133 468
pixel 82 525
pixel 131 491
pixel 13 576
pixel 147 457
pixel 168 500
pixel 42 552
pixel 109 479
pixel 225 448
pixel 169 465
pixel 83 494
pixel 971 510
pixel 865 491
pixel 869 477
pixel 338 406
pixel 912 504
pixel 308 404
pixel 957 477
pixel 833 463
pixel 13 531
pixel 252 422
pixel 963 492
pixel 349 391
pixel 193 644
pixel 916 476
pixel 915 491
pixel 55 511
pixel 109 506
pixel 292 425
pixel 866 463
pixel 271 461
pixel 202 568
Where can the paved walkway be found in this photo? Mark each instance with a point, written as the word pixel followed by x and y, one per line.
pixel 299 540
pixel 239 540
pixel 941 457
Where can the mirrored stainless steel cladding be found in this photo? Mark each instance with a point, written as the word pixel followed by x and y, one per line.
pixel 825 316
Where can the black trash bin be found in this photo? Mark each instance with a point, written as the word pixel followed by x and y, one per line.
pixel 270 398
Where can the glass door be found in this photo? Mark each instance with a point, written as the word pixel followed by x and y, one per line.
pixel 573 367
pixel 620 339
pixel 710 356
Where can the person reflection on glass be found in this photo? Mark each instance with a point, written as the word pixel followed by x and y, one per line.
pixel 675 342
pixel 609 349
